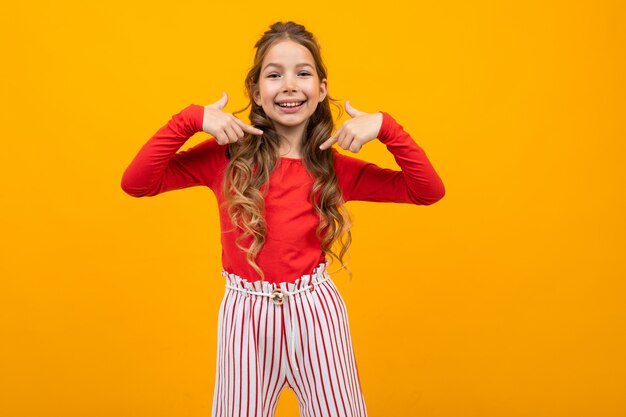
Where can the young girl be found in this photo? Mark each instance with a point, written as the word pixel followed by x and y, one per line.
pixel 281 189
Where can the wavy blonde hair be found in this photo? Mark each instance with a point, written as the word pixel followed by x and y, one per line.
pixel 253 158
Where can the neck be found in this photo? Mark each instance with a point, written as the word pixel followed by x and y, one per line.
pixel 291 141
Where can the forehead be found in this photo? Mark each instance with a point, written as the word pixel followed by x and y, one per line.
pixel 288 53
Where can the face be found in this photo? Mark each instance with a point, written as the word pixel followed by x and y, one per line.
pixel 288 75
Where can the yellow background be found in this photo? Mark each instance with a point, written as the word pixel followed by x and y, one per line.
pixel 506 298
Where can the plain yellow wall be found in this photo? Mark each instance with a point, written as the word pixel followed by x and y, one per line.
pixel 506 298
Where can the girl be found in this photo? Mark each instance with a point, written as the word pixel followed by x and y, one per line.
pixel 281 189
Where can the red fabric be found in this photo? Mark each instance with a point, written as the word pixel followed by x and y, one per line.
pixel 291 248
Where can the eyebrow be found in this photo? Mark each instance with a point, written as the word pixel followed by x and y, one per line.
pixel 275 64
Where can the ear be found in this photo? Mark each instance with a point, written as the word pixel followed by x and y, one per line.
pixel 255 95
pixel 323 90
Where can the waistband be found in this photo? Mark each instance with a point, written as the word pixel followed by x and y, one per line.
pixel 278 291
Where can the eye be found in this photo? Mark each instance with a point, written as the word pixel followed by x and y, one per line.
pixel 305 72
pixel 270 76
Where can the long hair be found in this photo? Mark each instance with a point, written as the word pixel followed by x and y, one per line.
pixel 253 158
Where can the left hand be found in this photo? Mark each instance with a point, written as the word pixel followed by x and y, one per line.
pixel 355 132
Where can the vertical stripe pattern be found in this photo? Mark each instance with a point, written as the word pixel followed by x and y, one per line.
pixel 256 360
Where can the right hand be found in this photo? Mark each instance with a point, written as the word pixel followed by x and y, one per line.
pixel 225 127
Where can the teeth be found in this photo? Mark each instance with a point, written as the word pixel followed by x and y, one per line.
pixel 291 104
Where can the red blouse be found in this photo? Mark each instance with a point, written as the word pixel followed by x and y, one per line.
pixel 291 248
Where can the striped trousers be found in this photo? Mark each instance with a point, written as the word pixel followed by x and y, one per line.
pixel 299 337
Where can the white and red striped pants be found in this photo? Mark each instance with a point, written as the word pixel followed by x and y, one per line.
pixel 303 342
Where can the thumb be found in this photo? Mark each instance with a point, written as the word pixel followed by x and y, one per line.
pixel 221 103
pixel 351 110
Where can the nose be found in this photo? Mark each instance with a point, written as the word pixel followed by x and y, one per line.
pixel 289 84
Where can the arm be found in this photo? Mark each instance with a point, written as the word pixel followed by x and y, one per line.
pixel 158 167
pixel 416 183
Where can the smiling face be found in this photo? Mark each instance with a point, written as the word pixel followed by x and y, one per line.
pixel 288 75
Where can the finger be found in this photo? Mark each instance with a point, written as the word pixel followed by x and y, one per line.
pixel 238 130
pixel 232 135
pixel 344 140
pixel 221 137
pixel 221 103
pixel 328 143
pixel 351 110
pixel 349 143
pixel 355 146
pixel 332 139
pixel 248 128
pixel 236 126
pixel 338 134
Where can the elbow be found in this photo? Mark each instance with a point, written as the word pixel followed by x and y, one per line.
pixel 441 192
pixel 431 198
pixel 133 190
pixel 134 193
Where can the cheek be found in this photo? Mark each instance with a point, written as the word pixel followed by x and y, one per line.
pixel 313 90
pixel 268 96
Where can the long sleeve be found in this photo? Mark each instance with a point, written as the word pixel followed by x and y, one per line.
pixel 416 183
pixel 158 167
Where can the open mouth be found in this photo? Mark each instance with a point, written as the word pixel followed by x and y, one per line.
pixel 291 105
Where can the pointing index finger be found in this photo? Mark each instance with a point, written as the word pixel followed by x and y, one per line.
pixel 328 143
pixel 248 128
